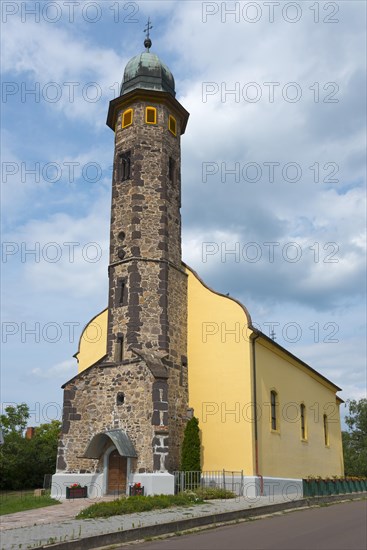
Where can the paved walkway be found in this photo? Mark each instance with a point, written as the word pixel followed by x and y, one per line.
pixel 66 510
pixel 34 528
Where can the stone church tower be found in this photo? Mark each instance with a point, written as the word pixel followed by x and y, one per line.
pixel 126 413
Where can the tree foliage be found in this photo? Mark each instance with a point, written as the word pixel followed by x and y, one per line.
pixel 190 456
pixel 24 462
pixel 15 419
pixel 355 439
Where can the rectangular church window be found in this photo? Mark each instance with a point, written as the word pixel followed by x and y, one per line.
pixel 122 291
pixel 125 166
pixel 127 118
pixel 151 115
pixel 183 367
pixel 172 125
pixel 119 352
pixel 171 169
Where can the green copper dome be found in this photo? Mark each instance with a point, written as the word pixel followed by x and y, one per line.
pixel 146 71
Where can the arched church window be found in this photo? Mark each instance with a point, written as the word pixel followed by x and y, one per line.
pixel 151 115
pixel 127 118
pixel 125 166
pixel 303 421
pixel 326 430
pixel 274 410
pixel 172 125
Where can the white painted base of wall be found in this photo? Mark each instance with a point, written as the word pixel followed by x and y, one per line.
pixel 160 483
pixel 253 487
pixel 163 483
pixel 60 481
pixel 289 488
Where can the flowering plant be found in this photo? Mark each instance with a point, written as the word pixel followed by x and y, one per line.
pixel 75 486
pixel 136 486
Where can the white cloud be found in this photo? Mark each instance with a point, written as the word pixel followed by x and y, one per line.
pixel 44 54
pixel 305 132
pixel 64 370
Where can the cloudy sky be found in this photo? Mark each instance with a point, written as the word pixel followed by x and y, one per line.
pixel 273 173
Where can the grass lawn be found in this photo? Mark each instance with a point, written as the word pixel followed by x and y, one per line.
pixel 17 501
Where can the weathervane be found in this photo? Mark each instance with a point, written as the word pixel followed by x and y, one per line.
pixel 147 41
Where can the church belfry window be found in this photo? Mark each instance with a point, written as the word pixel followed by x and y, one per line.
pixel 127 118
pixel 151 115
pixel 172 125
pixel 125 166
pixel 274 410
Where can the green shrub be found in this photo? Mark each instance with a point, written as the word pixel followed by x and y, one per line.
pixel 190 455
pixel 208 493
pixel 135 504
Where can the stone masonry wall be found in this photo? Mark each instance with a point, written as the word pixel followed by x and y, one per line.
pixel 145 231
pixel 91 407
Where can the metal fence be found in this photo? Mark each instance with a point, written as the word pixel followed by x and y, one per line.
pixel 222 479
pixel 47 481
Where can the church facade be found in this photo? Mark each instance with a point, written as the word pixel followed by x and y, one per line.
pixel 167 346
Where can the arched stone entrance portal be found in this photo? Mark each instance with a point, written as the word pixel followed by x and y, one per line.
pixel 116 459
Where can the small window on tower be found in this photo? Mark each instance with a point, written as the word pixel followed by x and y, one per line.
pixel 120 398
pixel 122 291
pixel 127 118
pixel 125 166
pixel 151 115
pixel 172 125
pixel 171 169
pixel 119 350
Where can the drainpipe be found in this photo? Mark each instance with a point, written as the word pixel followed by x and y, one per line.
pixel 253 340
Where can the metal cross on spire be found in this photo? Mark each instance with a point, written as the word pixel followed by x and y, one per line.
pixel 147 41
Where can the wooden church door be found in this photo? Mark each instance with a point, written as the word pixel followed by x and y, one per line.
pixel 117 466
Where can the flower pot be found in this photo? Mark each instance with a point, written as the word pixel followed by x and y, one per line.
pixel 76 492
pixel 136 491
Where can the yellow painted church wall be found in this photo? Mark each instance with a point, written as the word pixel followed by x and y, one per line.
pixel 219 377
pixel 93 341
pixel 283 453
pixel 220 392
